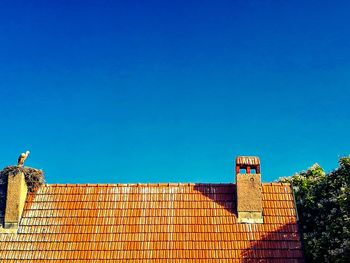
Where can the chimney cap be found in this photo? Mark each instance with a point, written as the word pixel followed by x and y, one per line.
pixel 247 160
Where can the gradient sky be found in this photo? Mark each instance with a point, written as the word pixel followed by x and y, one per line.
pixel 172 91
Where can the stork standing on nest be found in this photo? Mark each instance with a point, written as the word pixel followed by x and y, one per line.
pixel 22 158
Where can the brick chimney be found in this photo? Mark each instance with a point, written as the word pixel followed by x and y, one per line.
pixel 15 199
pixel 249 196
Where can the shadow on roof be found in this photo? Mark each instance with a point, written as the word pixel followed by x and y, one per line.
pixel 222 194
pixel 282 245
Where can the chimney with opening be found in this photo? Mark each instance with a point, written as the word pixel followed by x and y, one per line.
pixel 249 195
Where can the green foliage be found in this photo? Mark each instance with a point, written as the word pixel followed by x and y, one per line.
pixel 323 203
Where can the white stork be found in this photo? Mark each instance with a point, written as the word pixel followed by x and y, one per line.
pixel 22 158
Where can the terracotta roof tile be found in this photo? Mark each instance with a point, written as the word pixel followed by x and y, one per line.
pixel 151 223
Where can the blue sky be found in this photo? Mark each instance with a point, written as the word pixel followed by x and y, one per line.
pixel 160 91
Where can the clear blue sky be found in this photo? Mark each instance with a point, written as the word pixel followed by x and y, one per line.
pixel 172 91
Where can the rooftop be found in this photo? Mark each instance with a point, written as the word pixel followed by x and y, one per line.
pixel 151 223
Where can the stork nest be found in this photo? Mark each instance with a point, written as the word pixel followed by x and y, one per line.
pixel 33 177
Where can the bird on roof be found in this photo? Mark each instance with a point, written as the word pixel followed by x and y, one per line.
pixel 22 158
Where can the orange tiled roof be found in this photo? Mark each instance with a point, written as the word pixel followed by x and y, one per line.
pixel 151 223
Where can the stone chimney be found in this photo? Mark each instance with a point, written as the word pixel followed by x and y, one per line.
pixel 249 196
pixel 15 199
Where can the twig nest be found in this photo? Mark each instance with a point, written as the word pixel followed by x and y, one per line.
pixel 34 177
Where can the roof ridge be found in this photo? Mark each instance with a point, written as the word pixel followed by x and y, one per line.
pixel 276 183
pixel 151 184
pixel 136 184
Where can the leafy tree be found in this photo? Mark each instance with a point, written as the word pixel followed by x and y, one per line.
pixel 323 203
